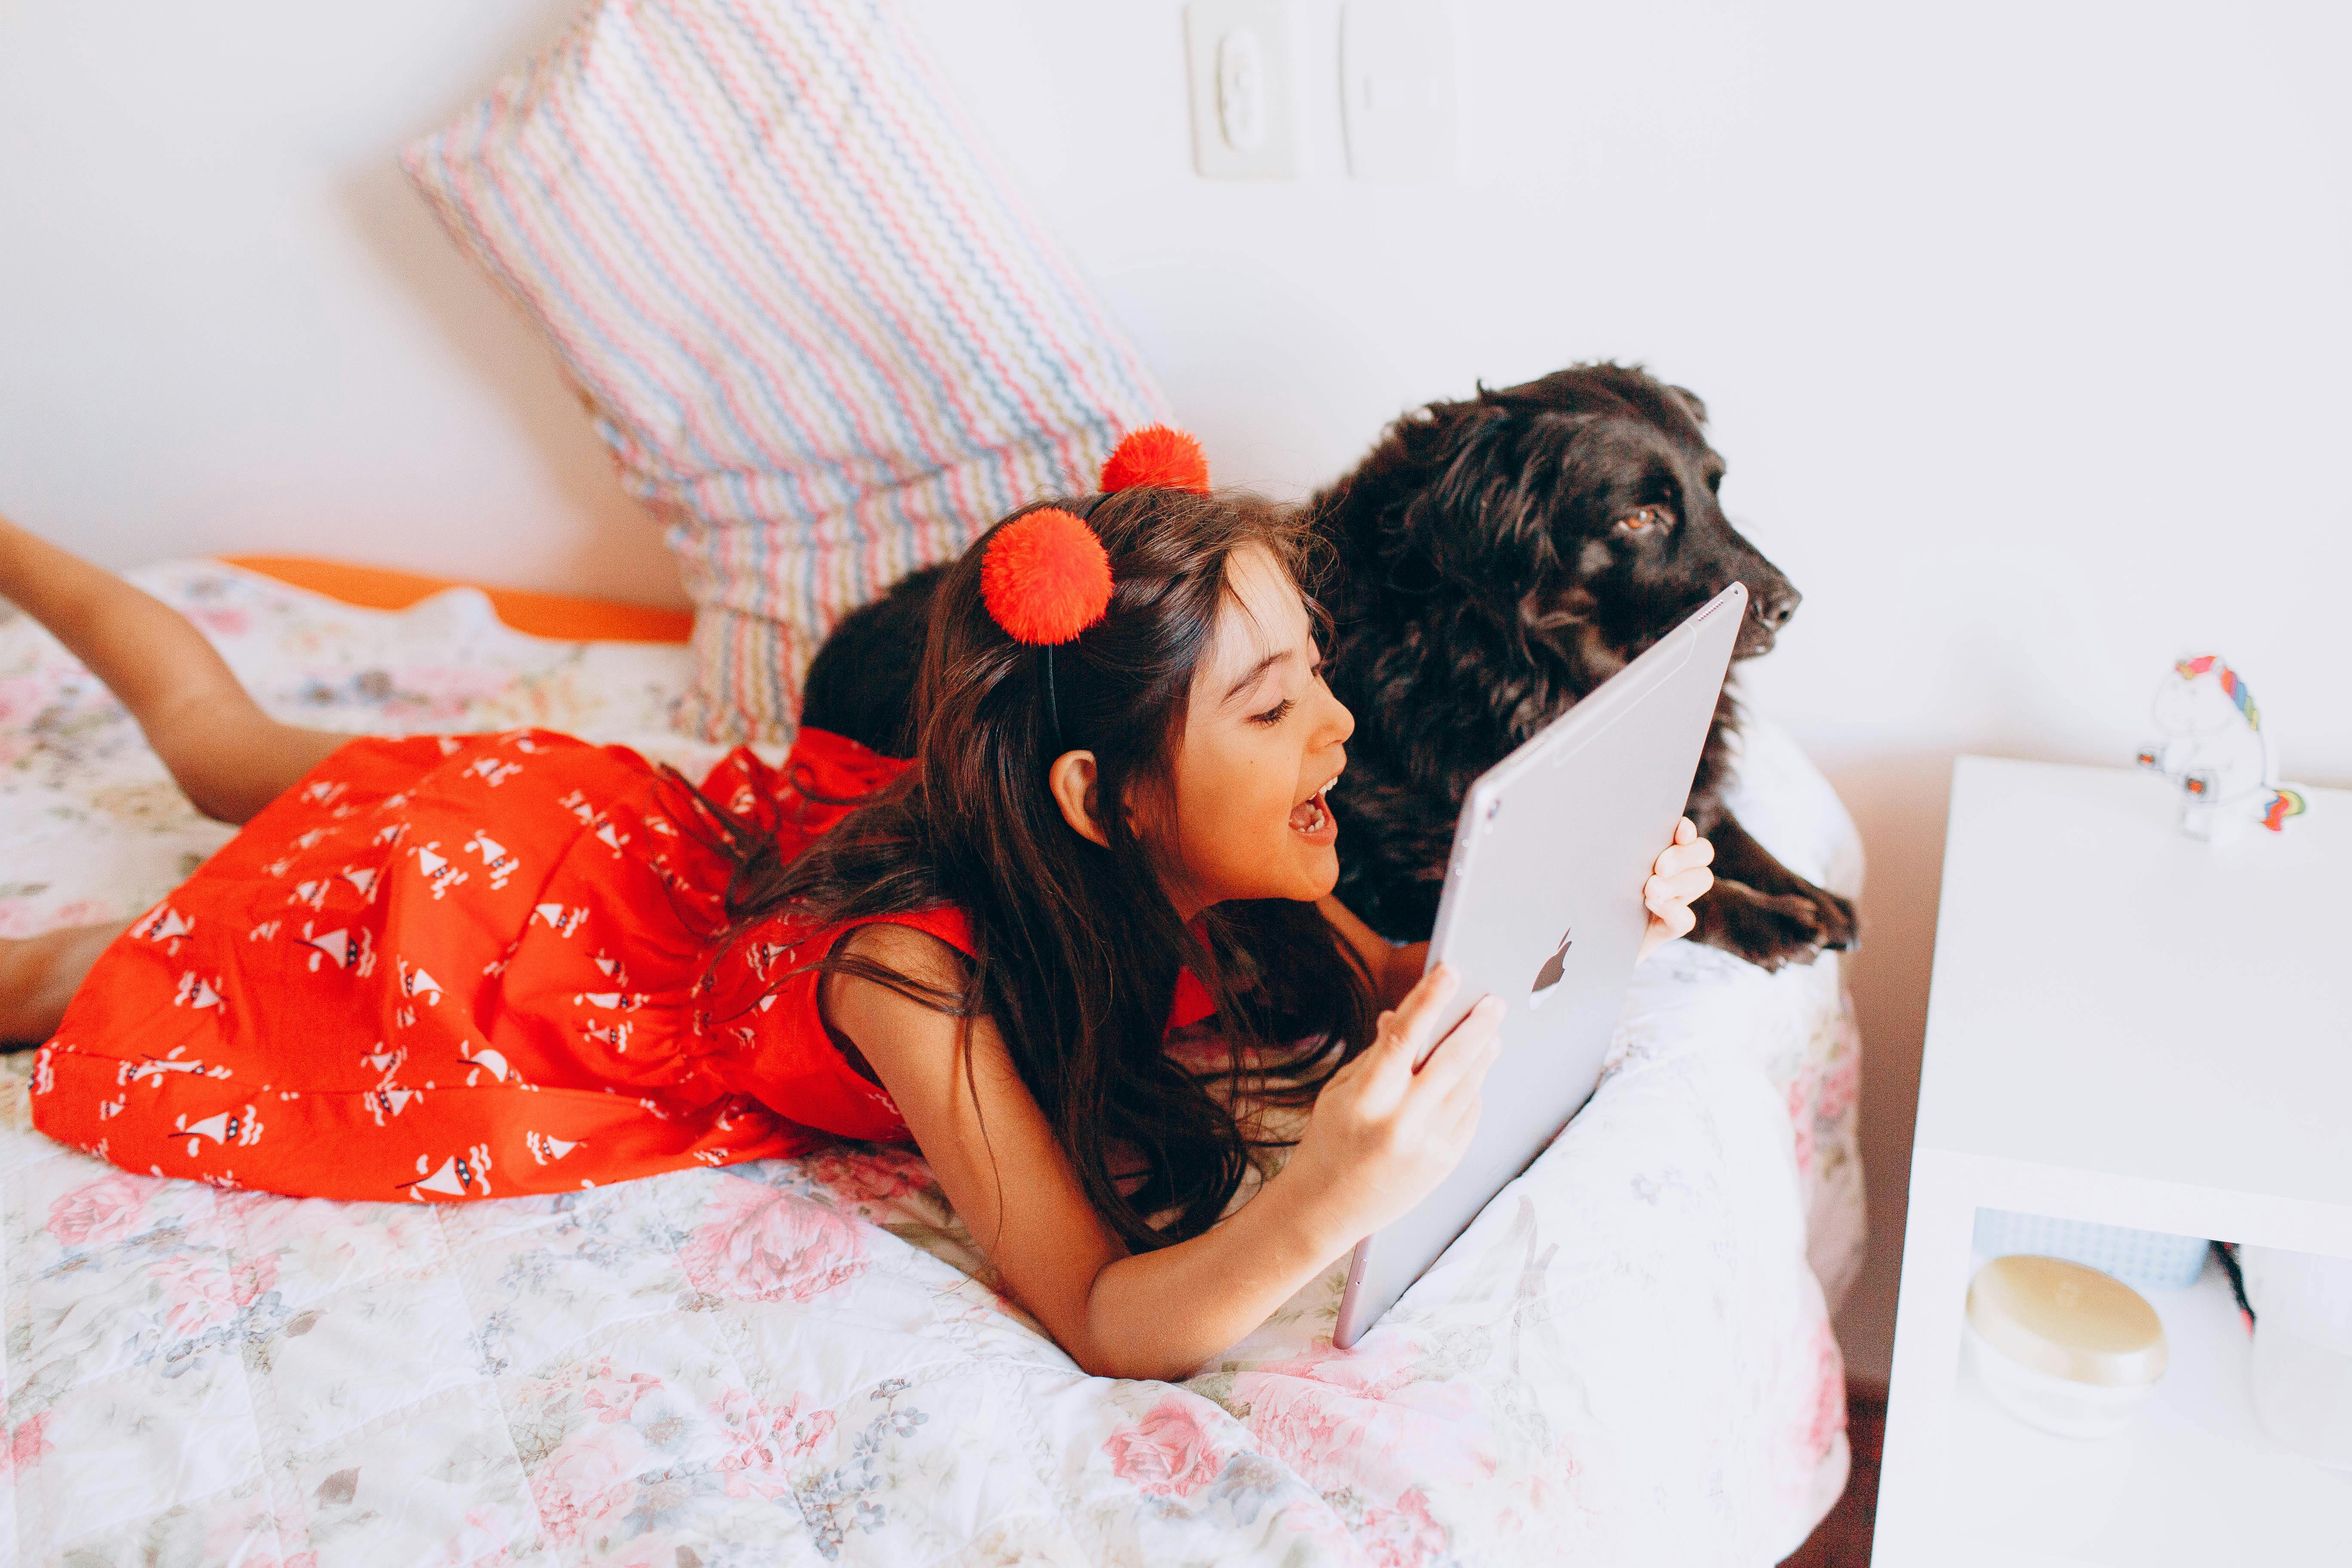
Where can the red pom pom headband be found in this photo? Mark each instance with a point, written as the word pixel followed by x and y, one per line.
pixel 1047 577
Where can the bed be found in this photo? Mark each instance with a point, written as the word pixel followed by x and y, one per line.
pixel 1627 1359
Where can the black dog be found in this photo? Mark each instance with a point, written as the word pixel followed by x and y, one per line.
pixel 1498 558
pixel 1493 561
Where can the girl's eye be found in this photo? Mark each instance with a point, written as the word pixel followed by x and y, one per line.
pixel 1274 715
pixel 1644 516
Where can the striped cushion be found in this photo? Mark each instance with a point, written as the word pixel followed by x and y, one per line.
pixel 823 339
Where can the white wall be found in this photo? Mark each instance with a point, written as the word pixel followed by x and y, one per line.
pixel 227 323
pixel 2024 329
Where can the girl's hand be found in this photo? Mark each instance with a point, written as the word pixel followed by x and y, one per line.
pixel 1383 1136
pixel 1677 879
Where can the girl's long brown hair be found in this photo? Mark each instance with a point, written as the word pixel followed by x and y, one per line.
pixel 1077 947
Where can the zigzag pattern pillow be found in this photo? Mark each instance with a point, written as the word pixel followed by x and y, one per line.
pixel 823 339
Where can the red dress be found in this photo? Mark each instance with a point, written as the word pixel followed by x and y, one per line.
pixel 448 967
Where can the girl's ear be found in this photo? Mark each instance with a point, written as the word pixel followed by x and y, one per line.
pixel 1072 780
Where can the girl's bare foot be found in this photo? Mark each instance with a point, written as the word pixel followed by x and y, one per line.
pixel 39 974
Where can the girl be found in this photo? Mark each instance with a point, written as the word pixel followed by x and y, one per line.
pixel 450 967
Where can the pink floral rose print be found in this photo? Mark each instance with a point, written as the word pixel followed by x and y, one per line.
pixel 1342 1418
pixel 201 1292
pixel 1828 1412
pixel 1801 1117
pixel 1840 1085
pixel 1403 1536
pixel 96 1212
pixel 763 1438
pixel 867 1175
pixel 579 1485
pixel 758 1243
pixel 610 1399
pixel 1166 1454
pixel 25 1444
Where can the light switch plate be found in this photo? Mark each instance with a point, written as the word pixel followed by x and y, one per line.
pixel 1399 96
pixel 1244 64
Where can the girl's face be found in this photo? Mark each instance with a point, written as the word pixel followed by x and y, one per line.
pixel 1263 738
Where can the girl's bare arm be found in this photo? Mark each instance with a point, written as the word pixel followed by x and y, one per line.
pixel 230 757
pixel 1382 1136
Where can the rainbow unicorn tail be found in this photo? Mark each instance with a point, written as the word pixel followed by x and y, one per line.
pixel 2284 804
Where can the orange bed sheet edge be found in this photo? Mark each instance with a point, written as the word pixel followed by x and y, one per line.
pixel 557 616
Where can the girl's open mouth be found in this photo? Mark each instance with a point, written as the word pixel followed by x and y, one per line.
pixel 1312 820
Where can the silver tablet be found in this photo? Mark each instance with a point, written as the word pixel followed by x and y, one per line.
pixel 1543 907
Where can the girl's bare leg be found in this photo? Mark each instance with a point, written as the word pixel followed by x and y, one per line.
pixel 39 975
pixel 230 757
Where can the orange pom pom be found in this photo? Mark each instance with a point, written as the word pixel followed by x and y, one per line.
pixel 1158 456
pixel 1045 577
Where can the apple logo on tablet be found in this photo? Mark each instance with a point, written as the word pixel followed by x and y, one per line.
pixel 1548 975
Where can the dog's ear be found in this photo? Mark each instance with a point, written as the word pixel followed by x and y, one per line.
pixel 1698 408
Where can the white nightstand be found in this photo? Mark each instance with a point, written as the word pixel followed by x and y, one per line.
pixel 2130 1028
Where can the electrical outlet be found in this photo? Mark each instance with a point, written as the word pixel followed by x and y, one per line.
pixel 1398 94
pixel 1244 63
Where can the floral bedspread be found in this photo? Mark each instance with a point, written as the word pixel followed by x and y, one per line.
pixel 1627 1359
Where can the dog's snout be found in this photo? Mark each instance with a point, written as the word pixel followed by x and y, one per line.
pixel 1775 608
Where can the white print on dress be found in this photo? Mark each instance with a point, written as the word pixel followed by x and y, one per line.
pixel 492 770
pixel 309 838
pixel 610 838
pixel 196 992
pixel 385 1062
pixel 457 1176
pixel 335 944
pixel 363 879
pixel 416 982
pixel 435 868
pixel 577 804
pixel 389 1100
pixel 562 922
pixel 322 791
pixel 224 1128
pixel 616 1036
pixel 492 1060
pixel 313 893
pixel 164 923
pixel 392 832
pixel 614 970
pixel 546 1149
pixel 495 859
pixel 280 868
pixel 610 1001
pixel 265 932
pixel 157 1067
pixel 450 745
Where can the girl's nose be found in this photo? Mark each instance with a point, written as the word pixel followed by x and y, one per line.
pixel 1343 722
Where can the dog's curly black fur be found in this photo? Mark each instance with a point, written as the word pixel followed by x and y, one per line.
pixel 1493 561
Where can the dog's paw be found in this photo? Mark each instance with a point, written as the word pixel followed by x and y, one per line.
pixel 1771 930
pixel 1840 926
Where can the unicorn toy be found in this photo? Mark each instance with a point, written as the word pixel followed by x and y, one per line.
pixel 2216 750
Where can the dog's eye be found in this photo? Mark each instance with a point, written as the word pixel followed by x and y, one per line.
pixel 1644 516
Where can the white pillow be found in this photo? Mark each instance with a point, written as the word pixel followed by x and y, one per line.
pixel 825 339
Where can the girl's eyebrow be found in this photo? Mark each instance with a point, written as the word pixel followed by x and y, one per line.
pixel 1250 678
